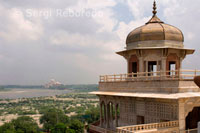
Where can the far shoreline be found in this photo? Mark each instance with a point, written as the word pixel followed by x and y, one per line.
pixel 16 93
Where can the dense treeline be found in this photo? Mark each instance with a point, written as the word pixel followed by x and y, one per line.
pixel 54 121
pixel 38 105
pixel 23 86
pixel 22 124
pixel 82 88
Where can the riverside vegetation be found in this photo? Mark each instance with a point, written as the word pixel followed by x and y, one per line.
pixel 67 113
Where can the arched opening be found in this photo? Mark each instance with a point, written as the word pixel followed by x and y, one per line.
pixel 173 64
pixel 152 67
pixel 193 118
pixel 133 65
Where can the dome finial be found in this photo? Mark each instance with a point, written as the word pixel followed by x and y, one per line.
pixel 154 8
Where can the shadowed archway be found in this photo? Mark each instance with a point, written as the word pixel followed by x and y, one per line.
pixel 193 118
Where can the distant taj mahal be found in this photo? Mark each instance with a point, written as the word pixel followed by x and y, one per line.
pixel 52 83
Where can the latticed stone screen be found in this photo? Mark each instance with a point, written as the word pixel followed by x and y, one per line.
pixel 153 110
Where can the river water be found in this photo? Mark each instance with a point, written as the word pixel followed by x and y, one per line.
pixel 30 93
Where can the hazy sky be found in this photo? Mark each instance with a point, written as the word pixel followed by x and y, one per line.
pixel 74 41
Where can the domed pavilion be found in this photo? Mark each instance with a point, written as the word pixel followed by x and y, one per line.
pixel 156 94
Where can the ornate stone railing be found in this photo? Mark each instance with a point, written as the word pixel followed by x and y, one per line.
pixel 159 75
pixel 138 128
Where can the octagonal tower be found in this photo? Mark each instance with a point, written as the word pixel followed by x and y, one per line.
pixel 155 94
pixel 155 46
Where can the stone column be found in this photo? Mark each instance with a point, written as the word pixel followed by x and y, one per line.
pixel 163 66
pixel 127 65
pixel 101 116
pixel 104 114
pixel 116 117
pixel 158 66
pixel 164 63
pixel 181 115
pixel 111 114
pixel 180 67
pixel 146 68
pixel 141 64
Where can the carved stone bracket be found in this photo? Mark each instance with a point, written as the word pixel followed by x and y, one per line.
pixel 190 104
pixel 165 52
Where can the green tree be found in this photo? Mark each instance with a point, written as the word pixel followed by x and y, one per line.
pixel 59 128
pixel 92 115
pixel 25 124
pixel 51 117
pixel 77 126
pixel 7 128
pixel 20 131
pixel 70 130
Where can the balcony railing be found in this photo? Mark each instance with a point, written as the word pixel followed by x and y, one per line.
pixel 145 127
pixel 159 75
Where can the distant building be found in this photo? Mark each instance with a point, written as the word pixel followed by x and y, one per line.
pixel 155 95
pixel 53 83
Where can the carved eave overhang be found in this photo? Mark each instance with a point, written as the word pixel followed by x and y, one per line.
pixel 150 95
pixel 126 52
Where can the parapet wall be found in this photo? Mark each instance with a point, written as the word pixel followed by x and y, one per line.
pixel 159 86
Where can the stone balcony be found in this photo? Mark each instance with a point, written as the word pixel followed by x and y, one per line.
pixel 167 127
pixel 163 127
pixel 177 81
